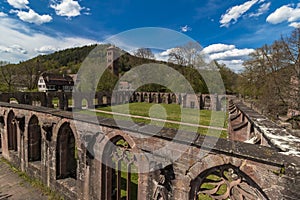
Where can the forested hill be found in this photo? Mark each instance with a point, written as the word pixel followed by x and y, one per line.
pixel 68 61
pixel 63 61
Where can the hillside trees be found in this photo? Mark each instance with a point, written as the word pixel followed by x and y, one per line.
pixel 7 76
pixel 29 73
pixel 229 78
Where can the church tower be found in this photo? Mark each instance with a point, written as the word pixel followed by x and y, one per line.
pixel 111 56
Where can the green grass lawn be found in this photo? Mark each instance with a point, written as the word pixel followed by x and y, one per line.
pixel 170 112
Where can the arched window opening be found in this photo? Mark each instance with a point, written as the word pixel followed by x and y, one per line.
pixel 163 183
pixel 55 102
pixel 66 153
pixel 138 98
pixel 34 140
pixel 84 104
pixel 13 100
pixel 225 182
pixel 207 102
pixel 70 102
pixel 146 98
pixel 173 97
pixel 163 99
pixel 119 173
pixel 104 100
pixel 95 102
pixel 12 132
pixel 153 99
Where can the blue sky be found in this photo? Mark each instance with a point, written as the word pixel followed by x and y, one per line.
pixel 227 30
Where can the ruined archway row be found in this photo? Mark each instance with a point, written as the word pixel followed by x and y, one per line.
pixel 68 100
pixel 82 161
pixel 249 126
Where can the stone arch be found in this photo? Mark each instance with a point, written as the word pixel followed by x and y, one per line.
pixel 34 139
pixel 12 132
pixel 224 182
pixel 66 153
pixel 119 170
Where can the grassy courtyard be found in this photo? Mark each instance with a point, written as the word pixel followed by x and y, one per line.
pixel 172 112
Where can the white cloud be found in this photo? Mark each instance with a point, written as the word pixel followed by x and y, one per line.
pixel 67 8
pixel 164 55
pixel 19 4
pixel 167 52
pixel 2 14
pixel 13 49
pixel 32 17
pixel 235 12
pixel 229 55
pixel 215 48
pixel 22 43
pixel 185 28
pixel 262 9
pixel 285 13
pixel 295 24
pixel 235 65
pixel 46 49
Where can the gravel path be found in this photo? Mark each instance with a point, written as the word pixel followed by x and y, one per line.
pixel 12 187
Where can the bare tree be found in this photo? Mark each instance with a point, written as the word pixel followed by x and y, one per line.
pixel 267 77
pixel 292 60
pixel 188 54
pixel 144 53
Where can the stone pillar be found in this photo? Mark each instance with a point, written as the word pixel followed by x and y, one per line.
pixel 61 102
pixel 21 143
pixel 100 100
pixel 90 103
pixel 183 100
pixel 140 97
pixel 214 102
pixel 47 133
pixel 66 102
pixel 181 187
pixel 249 130
pixel 2 124
pixel 4 139
pixel 48 100
pixel 77 101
